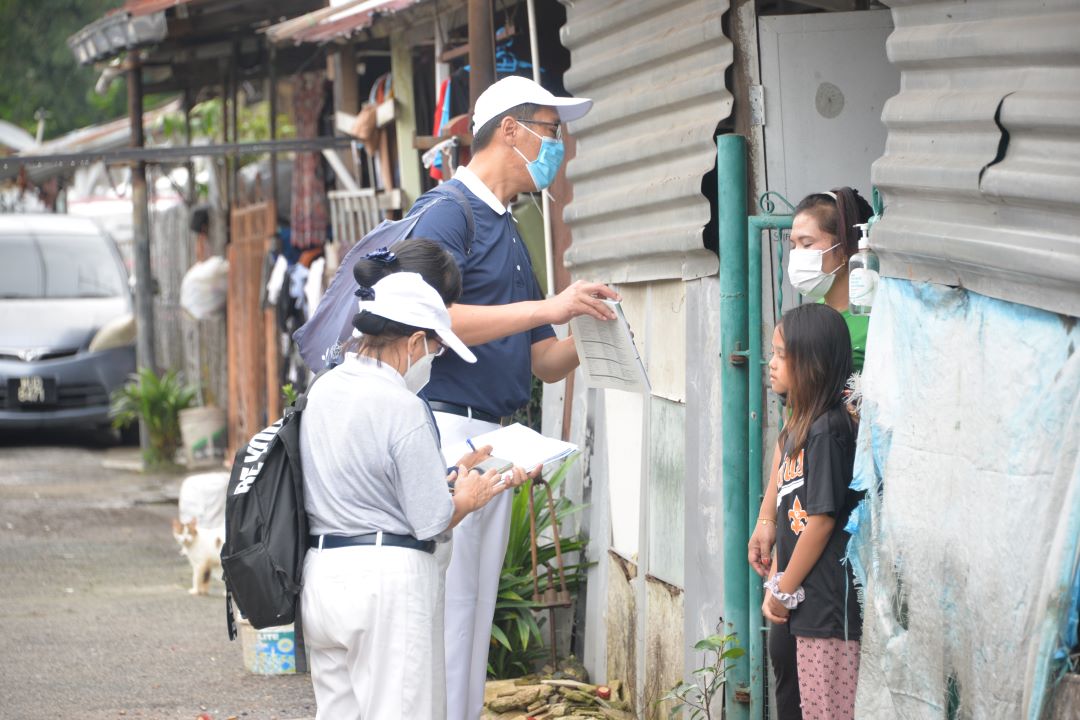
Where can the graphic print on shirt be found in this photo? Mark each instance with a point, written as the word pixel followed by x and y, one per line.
pixel 798 517
pixel 790 478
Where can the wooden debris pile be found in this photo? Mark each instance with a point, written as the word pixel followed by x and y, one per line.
pixel 532 699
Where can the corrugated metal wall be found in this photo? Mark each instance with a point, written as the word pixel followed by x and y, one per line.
pixel 981 173
pixel 655 69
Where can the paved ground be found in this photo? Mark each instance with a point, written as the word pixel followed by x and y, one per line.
pixel 95 618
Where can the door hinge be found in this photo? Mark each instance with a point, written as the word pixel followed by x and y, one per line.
pixel 757 105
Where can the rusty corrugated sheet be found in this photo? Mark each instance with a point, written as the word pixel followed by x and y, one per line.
pixel 655 70
pixel 146 7
pixel 334 27
pixel 981 172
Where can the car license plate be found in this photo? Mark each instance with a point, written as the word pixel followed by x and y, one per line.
pixel 33 390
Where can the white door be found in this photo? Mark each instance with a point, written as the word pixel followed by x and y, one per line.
pixel 826 78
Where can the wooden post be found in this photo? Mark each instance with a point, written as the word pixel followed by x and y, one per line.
pixel 347 92
pixel 401 68
pixel 481 49
pixel 271 92
pixel 140 226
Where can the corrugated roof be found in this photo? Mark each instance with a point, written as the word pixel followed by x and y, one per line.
pixel 981 172
pixel 146 7
pixel 318 26
pixel 655 70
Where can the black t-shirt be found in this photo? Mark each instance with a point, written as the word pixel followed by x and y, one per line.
pixel 815 482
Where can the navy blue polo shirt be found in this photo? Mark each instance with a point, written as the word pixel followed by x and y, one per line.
pixel 497 271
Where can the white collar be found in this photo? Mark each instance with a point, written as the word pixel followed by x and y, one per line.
pixel 355 363
pixel 477 187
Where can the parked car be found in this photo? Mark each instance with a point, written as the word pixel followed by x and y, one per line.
pixel 67 329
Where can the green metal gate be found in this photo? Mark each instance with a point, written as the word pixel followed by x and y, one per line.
pixel 741 254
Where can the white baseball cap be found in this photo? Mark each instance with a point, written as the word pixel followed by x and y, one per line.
pixel 406 298
pixel 516 90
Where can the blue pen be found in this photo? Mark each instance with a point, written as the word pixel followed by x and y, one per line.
pixel 468 441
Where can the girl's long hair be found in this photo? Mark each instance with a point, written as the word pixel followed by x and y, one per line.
pixel 817 350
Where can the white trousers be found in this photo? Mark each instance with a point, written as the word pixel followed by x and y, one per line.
pixel 372 621
pixel 472 585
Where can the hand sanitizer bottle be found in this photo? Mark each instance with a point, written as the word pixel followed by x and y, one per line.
pixel 862 275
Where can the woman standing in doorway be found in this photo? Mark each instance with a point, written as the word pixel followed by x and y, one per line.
pixel 823 238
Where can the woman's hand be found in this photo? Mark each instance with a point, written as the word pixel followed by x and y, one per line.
pixel 517 476
pixel 473 489
pixel 477 456
pixel 773 610
pixel 760 547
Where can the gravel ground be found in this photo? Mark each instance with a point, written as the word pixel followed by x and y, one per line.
pixel 96 618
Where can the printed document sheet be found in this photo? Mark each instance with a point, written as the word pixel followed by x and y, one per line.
pixel 609 358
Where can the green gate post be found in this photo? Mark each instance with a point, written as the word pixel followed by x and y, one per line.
pixel 755 224
pixel 731 211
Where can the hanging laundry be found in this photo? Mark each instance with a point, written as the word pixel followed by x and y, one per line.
pixel 442 117
pixel 310 213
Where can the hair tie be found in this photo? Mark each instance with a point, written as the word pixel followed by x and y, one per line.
pixel 365 293
pixel 382 255
pixel 831 194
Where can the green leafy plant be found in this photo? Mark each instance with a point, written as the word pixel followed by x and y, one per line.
pixel 696 699
pixel 157 401
pixel 516 640
pixel 289 393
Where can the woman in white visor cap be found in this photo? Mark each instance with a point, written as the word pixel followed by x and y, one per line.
pixel 375 490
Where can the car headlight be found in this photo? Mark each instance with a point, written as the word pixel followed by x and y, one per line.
pixel 113 334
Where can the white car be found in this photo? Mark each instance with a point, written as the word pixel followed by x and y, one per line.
pixel 67 332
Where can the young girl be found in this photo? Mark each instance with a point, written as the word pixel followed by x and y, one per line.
pixel 810 590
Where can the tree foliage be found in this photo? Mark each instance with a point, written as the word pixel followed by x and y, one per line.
pixel 40 71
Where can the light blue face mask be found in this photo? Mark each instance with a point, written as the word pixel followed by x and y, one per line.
pixel 546 165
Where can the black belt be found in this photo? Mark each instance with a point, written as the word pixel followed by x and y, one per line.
pixel 329 542
pixel 465 411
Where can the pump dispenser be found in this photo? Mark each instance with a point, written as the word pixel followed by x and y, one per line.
pixel 862 275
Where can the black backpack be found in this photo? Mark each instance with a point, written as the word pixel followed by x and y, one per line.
pixel 266 526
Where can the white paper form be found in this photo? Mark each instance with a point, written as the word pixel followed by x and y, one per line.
pixel 609 358
pixel 515 443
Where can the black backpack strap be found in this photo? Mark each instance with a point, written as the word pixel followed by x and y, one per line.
pixel 463 201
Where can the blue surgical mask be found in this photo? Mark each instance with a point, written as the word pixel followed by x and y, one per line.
pixel 546 165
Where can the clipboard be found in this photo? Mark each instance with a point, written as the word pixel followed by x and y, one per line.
pixel 609 358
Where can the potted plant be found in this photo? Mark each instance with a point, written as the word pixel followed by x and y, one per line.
pixel 157 401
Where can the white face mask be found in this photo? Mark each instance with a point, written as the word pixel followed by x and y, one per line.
pixel 418 374
pixel 805 273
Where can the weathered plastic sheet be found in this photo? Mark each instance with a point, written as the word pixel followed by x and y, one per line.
pixel 967 544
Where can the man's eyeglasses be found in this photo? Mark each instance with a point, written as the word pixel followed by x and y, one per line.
pixel 556 127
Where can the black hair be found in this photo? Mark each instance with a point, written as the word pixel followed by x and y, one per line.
pixel 379 332
pixel 200 218
pixel 419 255
pixel 838 217
pixel 482 137
pixel 817 350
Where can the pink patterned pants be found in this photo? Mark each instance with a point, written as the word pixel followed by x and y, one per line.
pixel 828 676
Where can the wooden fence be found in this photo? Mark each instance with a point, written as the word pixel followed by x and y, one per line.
pixel 254 397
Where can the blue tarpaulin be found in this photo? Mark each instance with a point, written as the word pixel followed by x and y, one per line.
pixel 966 547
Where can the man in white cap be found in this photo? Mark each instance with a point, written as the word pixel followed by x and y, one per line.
pixel 504 317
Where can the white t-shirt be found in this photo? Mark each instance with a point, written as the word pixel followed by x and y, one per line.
pixel 370 456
